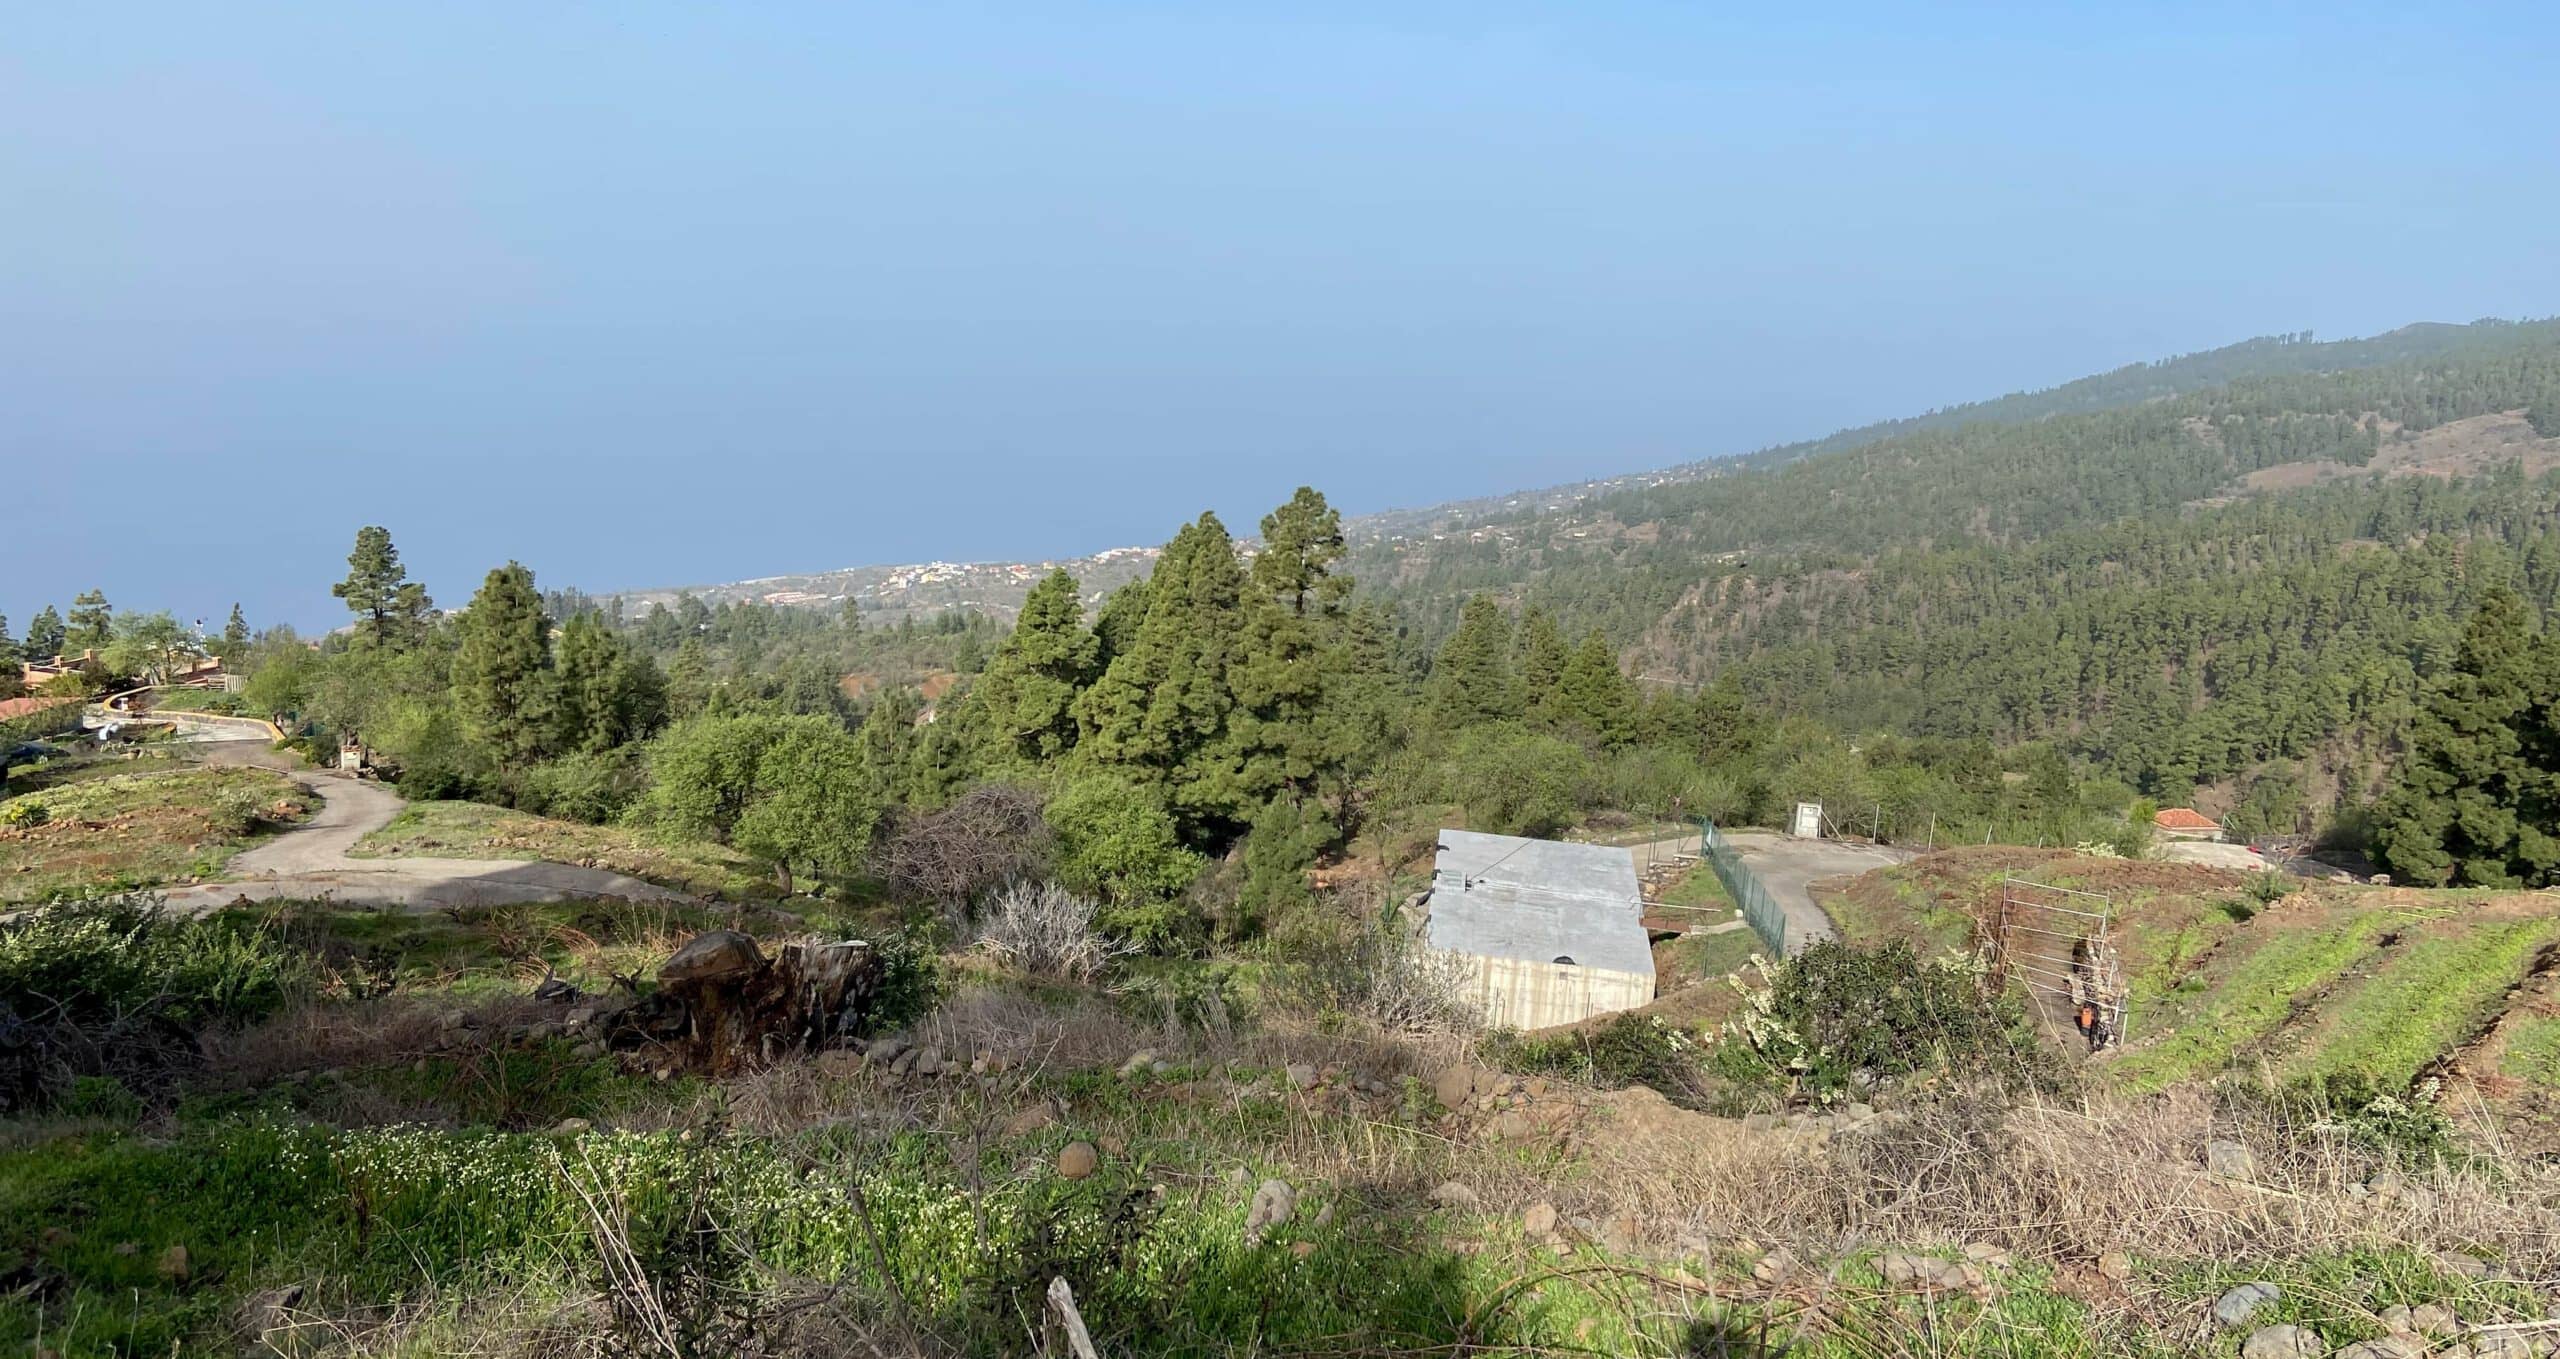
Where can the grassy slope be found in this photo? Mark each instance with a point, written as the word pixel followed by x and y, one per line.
pixel 472 830
pixel 349 1151
pixel 113 832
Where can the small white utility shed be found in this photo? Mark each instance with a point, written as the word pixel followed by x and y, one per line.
pixel 1550 932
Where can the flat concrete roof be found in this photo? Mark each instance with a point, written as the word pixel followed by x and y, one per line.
pixel 1504 896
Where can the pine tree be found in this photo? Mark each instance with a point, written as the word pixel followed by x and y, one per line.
pixel 597 676
pixel 1026 700
pixel 890 747
pixel 2473 799
pixel 1594 697
pixel 92 622
pixel 1301 541
pixel 45 634
pixel 690 682
pixel 1471 681
pixel 503 684
pixel 1280 746
pixel 1541 664
pixel 1115 626
pixel 235 635
pixel 390 609
pixel 8 648
pixel 1159 714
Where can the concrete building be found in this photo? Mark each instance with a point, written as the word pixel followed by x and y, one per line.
pixel 1549 932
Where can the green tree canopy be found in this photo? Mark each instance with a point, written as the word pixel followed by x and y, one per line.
pixel 92 622
pixel 390 609
pixel 45 634
pixel 503 685
pixel 1471 680
pixel 1027 697
pixel 2472 801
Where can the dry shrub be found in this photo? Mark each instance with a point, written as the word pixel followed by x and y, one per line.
pixel 953 856
pixel 2066 1183
pixel 1084 1030
pixel 1377 972
pixel 1047 931
pixel 370 1032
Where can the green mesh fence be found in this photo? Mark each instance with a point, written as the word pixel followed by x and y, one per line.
pixel 1758 907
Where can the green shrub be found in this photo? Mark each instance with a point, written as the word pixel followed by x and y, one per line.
pixel 24 812
pixel 594 788
pixel 1514 781
pixel 120 988
pixel 1627 1050
pixel 101 1097
pixel 1117 843
pixel 911 981
pixel 1837 1020
pixel 235 810
pixel 2267 886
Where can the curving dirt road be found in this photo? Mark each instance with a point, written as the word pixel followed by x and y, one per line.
pixel 311 860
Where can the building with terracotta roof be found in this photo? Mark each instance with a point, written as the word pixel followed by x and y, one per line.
pixel 2185 823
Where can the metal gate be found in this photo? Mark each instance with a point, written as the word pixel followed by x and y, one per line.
pixel 2055 942
pixel 1758 907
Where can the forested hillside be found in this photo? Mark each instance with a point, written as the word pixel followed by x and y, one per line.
pixel 2243 584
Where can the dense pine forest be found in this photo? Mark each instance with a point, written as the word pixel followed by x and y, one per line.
pixel 2113 581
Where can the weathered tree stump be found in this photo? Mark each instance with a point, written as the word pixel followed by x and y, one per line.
pixel 721 1005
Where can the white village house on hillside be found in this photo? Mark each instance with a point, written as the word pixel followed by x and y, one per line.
pixel 1549 932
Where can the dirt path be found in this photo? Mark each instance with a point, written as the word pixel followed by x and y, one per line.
pixel 311 860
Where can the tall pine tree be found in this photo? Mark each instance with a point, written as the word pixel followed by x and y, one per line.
pixel 1026 700
pixel 92 622
pixel 2473 799
pixel 1594 697
pixel 1158 716
pixel 503 685
pixel 390 609
pixel 1471 681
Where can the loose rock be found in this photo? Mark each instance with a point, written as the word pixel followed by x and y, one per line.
pixel 1273 1202
pixel 1302 1075
pixel 1451 1194
pixel 174 1265
pixel 1077 1160
pixel 1540 1220
pixel 2230 1160
pixel 2233 1309
pixel 1454 1086
pixel 2283 1342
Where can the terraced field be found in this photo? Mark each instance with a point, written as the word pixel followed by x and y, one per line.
pixel 2396 986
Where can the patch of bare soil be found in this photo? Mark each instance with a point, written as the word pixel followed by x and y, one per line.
pixel 2526 1110
pixel 2462 448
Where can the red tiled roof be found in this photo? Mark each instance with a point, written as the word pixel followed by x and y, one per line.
pixel 14 708
pixel 2183 818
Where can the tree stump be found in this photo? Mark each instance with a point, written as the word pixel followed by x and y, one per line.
pixel 721 1005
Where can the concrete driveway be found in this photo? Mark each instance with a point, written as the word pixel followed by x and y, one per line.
pixel 1789 867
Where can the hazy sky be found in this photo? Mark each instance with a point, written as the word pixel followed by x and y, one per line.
pixel 646 294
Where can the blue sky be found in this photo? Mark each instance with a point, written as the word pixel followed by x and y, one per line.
pixel 644 294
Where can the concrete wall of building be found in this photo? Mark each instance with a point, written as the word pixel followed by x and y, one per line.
pixel 1514 993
